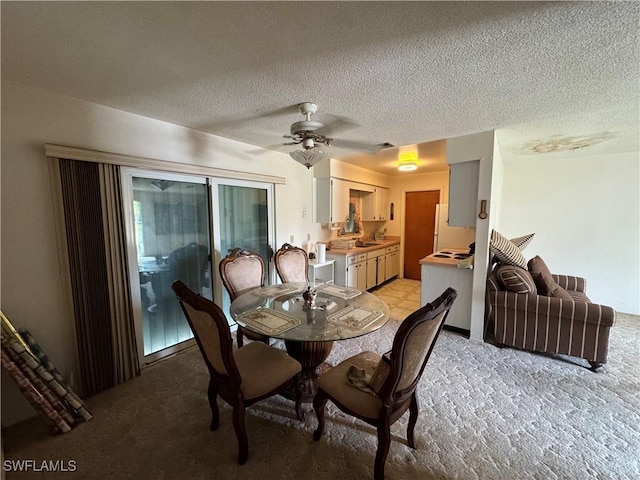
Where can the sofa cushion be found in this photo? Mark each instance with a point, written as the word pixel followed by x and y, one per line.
pixel 506 251
pixel 560 293
pixel 515 279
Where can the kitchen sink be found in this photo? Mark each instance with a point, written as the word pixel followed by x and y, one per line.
pixel 367 244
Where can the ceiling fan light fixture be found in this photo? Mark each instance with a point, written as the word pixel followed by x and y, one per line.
pixel 408 161
pixel 309 157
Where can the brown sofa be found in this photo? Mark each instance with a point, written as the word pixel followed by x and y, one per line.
pixel 562 321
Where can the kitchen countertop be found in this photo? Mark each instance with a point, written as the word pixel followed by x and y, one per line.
pixel 387 242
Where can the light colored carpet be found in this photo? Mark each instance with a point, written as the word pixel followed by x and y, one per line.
pixel 486 413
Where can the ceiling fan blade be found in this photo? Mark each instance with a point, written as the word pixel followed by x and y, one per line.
pixel 336 124
pixel 267 148
pixel 360 146
pixel 288 110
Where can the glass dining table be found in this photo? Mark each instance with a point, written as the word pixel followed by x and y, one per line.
pixel 309 327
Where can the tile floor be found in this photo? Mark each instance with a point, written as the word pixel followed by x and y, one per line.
pixel 402 295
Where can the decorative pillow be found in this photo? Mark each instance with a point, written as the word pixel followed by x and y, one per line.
pixel 537 265
pixel 506 251
pixel 560 293
pixel 516 279
pixel 544 281
pixel 522 242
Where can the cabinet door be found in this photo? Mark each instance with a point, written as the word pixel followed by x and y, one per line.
pixel 381 269
pixel 362 276
pixel 382 203
pixel 372 272
pixel 339 200
pixel 463 193
pixel 352 275
pixel 389 267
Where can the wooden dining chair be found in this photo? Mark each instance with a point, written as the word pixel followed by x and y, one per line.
pixel 292 264
pixel 242 271
pixel 241 377
pixel 393 378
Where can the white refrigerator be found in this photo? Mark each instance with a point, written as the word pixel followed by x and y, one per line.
pixel 450 237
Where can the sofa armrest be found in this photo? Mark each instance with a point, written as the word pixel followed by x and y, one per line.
pixel 569 282
pixel 541 306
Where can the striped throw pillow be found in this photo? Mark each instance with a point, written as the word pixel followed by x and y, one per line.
pixel 515 279
pixel 506 251
pixel 522 242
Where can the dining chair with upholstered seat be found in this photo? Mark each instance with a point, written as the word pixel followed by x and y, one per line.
pixel 390 381
pixel 240 376
pixel 242 271
pixel 292 264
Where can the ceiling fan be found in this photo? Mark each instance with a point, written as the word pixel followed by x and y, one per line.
pixel 311 135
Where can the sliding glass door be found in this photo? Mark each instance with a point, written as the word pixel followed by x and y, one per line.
pixel 170 223
pixel 242 218
pixel 175 222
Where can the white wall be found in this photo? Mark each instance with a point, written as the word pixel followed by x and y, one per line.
pixel 585 213
pixel 31 294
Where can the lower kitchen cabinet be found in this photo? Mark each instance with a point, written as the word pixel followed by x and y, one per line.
pixel 392 262
pixel 350 270
pixel 375 268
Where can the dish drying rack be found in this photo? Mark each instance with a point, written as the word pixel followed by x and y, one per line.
pixel 343 244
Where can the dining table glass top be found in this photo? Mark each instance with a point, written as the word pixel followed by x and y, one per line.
pixel 338 313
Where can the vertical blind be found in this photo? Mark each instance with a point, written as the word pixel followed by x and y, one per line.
pixel 99 276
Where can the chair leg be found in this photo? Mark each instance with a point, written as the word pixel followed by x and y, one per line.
pixel 241 432
pixel 319 402
pixel 212 393
pixel 413 418
pixel 384 440
pixel 239 336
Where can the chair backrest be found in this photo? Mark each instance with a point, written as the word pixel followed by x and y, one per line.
pixel 189 264
pixel 240 271
pixel 412 347
pixel 292 264
pixel 211 331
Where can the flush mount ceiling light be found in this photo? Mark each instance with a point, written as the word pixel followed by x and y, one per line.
pixel 309 157
pixel 408 161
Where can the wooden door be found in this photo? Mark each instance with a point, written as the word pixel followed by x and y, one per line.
pixel 419 224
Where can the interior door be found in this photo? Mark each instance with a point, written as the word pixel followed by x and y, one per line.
pixel 419 223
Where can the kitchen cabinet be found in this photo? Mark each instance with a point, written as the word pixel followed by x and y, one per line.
pixel 392 262
pixel 357 271
pixel 463 193
pixel 350 270
pixel 375 268
pixel 375 205
pixel 332 200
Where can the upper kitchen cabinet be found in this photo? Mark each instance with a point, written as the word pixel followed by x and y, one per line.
pixel 375 205
pixel 463 193
pixel 332 200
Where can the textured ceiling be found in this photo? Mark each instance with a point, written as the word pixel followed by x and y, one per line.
pixel 404 73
